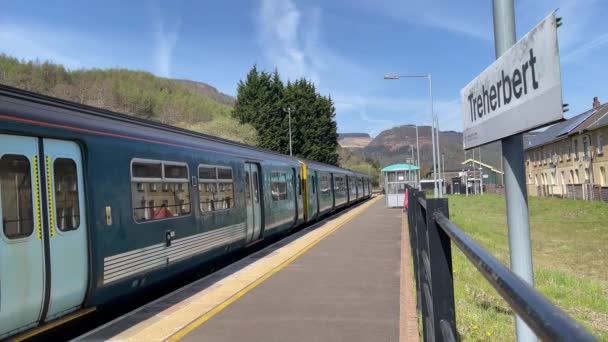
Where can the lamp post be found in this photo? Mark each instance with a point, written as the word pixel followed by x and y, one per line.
pixel 430 78
pixel 289 114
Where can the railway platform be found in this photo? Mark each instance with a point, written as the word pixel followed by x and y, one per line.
pixel 346 278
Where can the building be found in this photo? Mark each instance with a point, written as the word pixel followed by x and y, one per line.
pixel 395 178
pixel 568 159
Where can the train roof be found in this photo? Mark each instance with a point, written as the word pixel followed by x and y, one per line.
pixel 19 101
pixel 65 112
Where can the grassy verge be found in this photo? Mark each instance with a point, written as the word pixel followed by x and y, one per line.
pixel 570 256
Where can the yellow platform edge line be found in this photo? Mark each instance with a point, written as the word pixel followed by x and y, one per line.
pixel 47 327
pixel 209 314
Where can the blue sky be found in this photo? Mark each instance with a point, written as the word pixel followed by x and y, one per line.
pixel 344 46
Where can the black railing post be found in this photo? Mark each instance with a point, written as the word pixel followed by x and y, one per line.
pixel 442 284
pixel 413 213
pixel 423 266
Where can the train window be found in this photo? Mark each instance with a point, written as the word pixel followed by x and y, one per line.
pixel 176 171
pixel 16 196
pixel 324 184
pixel 147 170
pixel 67 205
pixel 278 185
pixel 340 186
pixel 299 185
pixel 216 188
pixel 314 184
pixel 256 189
pixel 159 190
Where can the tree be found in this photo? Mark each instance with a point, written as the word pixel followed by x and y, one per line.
pixel 264 102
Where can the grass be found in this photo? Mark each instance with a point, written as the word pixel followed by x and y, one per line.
pixel 570 257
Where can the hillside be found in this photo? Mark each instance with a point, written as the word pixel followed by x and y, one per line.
pixel 188 104
pixel 353 140
pixel 393 146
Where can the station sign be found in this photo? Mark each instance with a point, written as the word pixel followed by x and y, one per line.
pixel 519 92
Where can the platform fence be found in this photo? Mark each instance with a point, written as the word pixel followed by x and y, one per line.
pixel 432 235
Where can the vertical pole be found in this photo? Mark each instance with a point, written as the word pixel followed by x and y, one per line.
pixel 289 112
pixel 515 177
pixel 439 161
pixel 418 159
pixel 443 173
pixel 435 190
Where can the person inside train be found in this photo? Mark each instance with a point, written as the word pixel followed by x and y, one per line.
pixel 162 212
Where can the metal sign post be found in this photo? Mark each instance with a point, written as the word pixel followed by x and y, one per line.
pixel 514 173
pixel 519 92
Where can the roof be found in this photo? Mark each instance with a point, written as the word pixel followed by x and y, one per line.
pixel 471 160
pixel 586 120
pixel 400 167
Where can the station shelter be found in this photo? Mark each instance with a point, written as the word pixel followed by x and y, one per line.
pixel 395 178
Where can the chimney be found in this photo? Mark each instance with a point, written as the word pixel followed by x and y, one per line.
pixel 596 103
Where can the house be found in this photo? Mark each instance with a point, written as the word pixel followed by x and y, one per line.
pixel 568 159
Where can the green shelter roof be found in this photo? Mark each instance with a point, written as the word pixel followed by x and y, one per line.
pixel 400 167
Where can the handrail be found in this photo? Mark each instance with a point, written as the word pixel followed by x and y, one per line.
pixel 422 202
pixel 546 320
pixel 431 236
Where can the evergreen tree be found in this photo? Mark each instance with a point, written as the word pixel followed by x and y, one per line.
pixel 264 102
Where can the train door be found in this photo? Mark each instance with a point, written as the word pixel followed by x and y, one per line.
pixel 43 250
pixel 297 193
pixel 318 188
pixel 252 198
pixel 67 226
pixel 22 276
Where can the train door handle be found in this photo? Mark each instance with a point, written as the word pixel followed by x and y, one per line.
pixel 169 235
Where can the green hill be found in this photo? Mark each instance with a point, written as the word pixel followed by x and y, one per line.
pixel 188 104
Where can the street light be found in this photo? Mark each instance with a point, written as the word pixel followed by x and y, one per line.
pixel 430 78
pixel 289 113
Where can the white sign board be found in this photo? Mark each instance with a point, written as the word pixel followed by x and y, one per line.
pixel 519 92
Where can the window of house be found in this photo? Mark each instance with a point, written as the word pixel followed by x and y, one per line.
pixel 600 143
pixel 571 177
pixel 159 189
pixel 67 205
pixel 575 149
pixel 576 177
pixel 585 146
pixel 602 176
pixel 569 152
pixel 16 195
pixel 560 152
pixel 563 178
pixel 586 174
pixel 215 188
pixel 278 181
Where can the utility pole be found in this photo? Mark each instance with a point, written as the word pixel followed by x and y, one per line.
pixel 441 167
pixel 289 113
pixel 435 189
pixel 514 177
pixel 443 173
pixel 418 159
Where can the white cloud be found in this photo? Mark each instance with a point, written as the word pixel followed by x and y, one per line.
pixel 166 37
pixel 581 51
pixel 34 43
pixel 390 112
pixel 280 34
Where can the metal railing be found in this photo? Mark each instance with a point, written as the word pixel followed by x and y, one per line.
pixel 431 236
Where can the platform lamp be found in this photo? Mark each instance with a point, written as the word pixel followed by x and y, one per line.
pixel 436 190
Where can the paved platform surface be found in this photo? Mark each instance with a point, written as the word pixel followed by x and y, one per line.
pixel 346 288
pixel 336 281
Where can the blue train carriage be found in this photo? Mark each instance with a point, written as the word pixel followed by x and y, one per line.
pixel 96 205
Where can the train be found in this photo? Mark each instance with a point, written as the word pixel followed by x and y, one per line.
pixel 97 205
